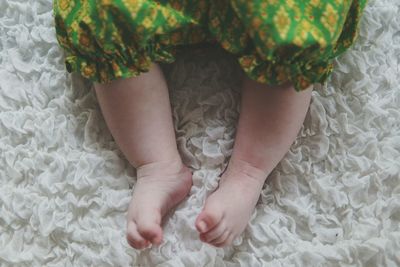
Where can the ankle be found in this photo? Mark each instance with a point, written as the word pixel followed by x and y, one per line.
pixel 246 169
pixel 172 166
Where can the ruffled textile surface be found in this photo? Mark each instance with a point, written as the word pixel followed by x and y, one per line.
pixel 334 200
pixel 273 40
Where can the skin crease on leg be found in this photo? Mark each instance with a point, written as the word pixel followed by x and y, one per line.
pixel 138 113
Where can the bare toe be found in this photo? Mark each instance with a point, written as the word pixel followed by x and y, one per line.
pixel 214 233
pixel 208 219
pixel 151 232
pixel 134 238
pixel 221 238
pixel 225 242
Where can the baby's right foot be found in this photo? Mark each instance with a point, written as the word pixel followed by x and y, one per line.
pixel 160 186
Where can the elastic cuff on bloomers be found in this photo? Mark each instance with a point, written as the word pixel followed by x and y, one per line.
pixel 131 64
pixel 105 40
pixel 274 42
pixel 293 41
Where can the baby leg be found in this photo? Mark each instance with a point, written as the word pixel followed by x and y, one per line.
pixel 138 113
pixel 270 119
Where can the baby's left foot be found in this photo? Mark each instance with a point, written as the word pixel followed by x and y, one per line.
pixel 227 210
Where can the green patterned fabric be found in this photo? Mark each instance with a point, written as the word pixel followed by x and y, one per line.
pixel 275 41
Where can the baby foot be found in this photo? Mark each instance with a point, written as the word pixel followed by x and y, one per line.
pixel 160 186
pixel 227 210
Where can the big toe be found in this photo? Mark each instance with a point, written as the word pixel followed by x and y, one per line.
pixel 208 219
pixel 148 226
pixel 134 238
pixel 151 232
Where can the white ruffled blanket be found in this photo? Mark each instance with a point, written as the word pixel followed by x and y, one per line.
pixel 334 200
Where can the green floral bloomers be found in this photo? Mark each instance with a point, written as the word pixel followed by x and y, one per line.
pixel 275 41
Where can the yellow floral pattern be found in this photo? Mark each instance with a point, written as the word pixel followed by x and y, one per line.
pixel 275 41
